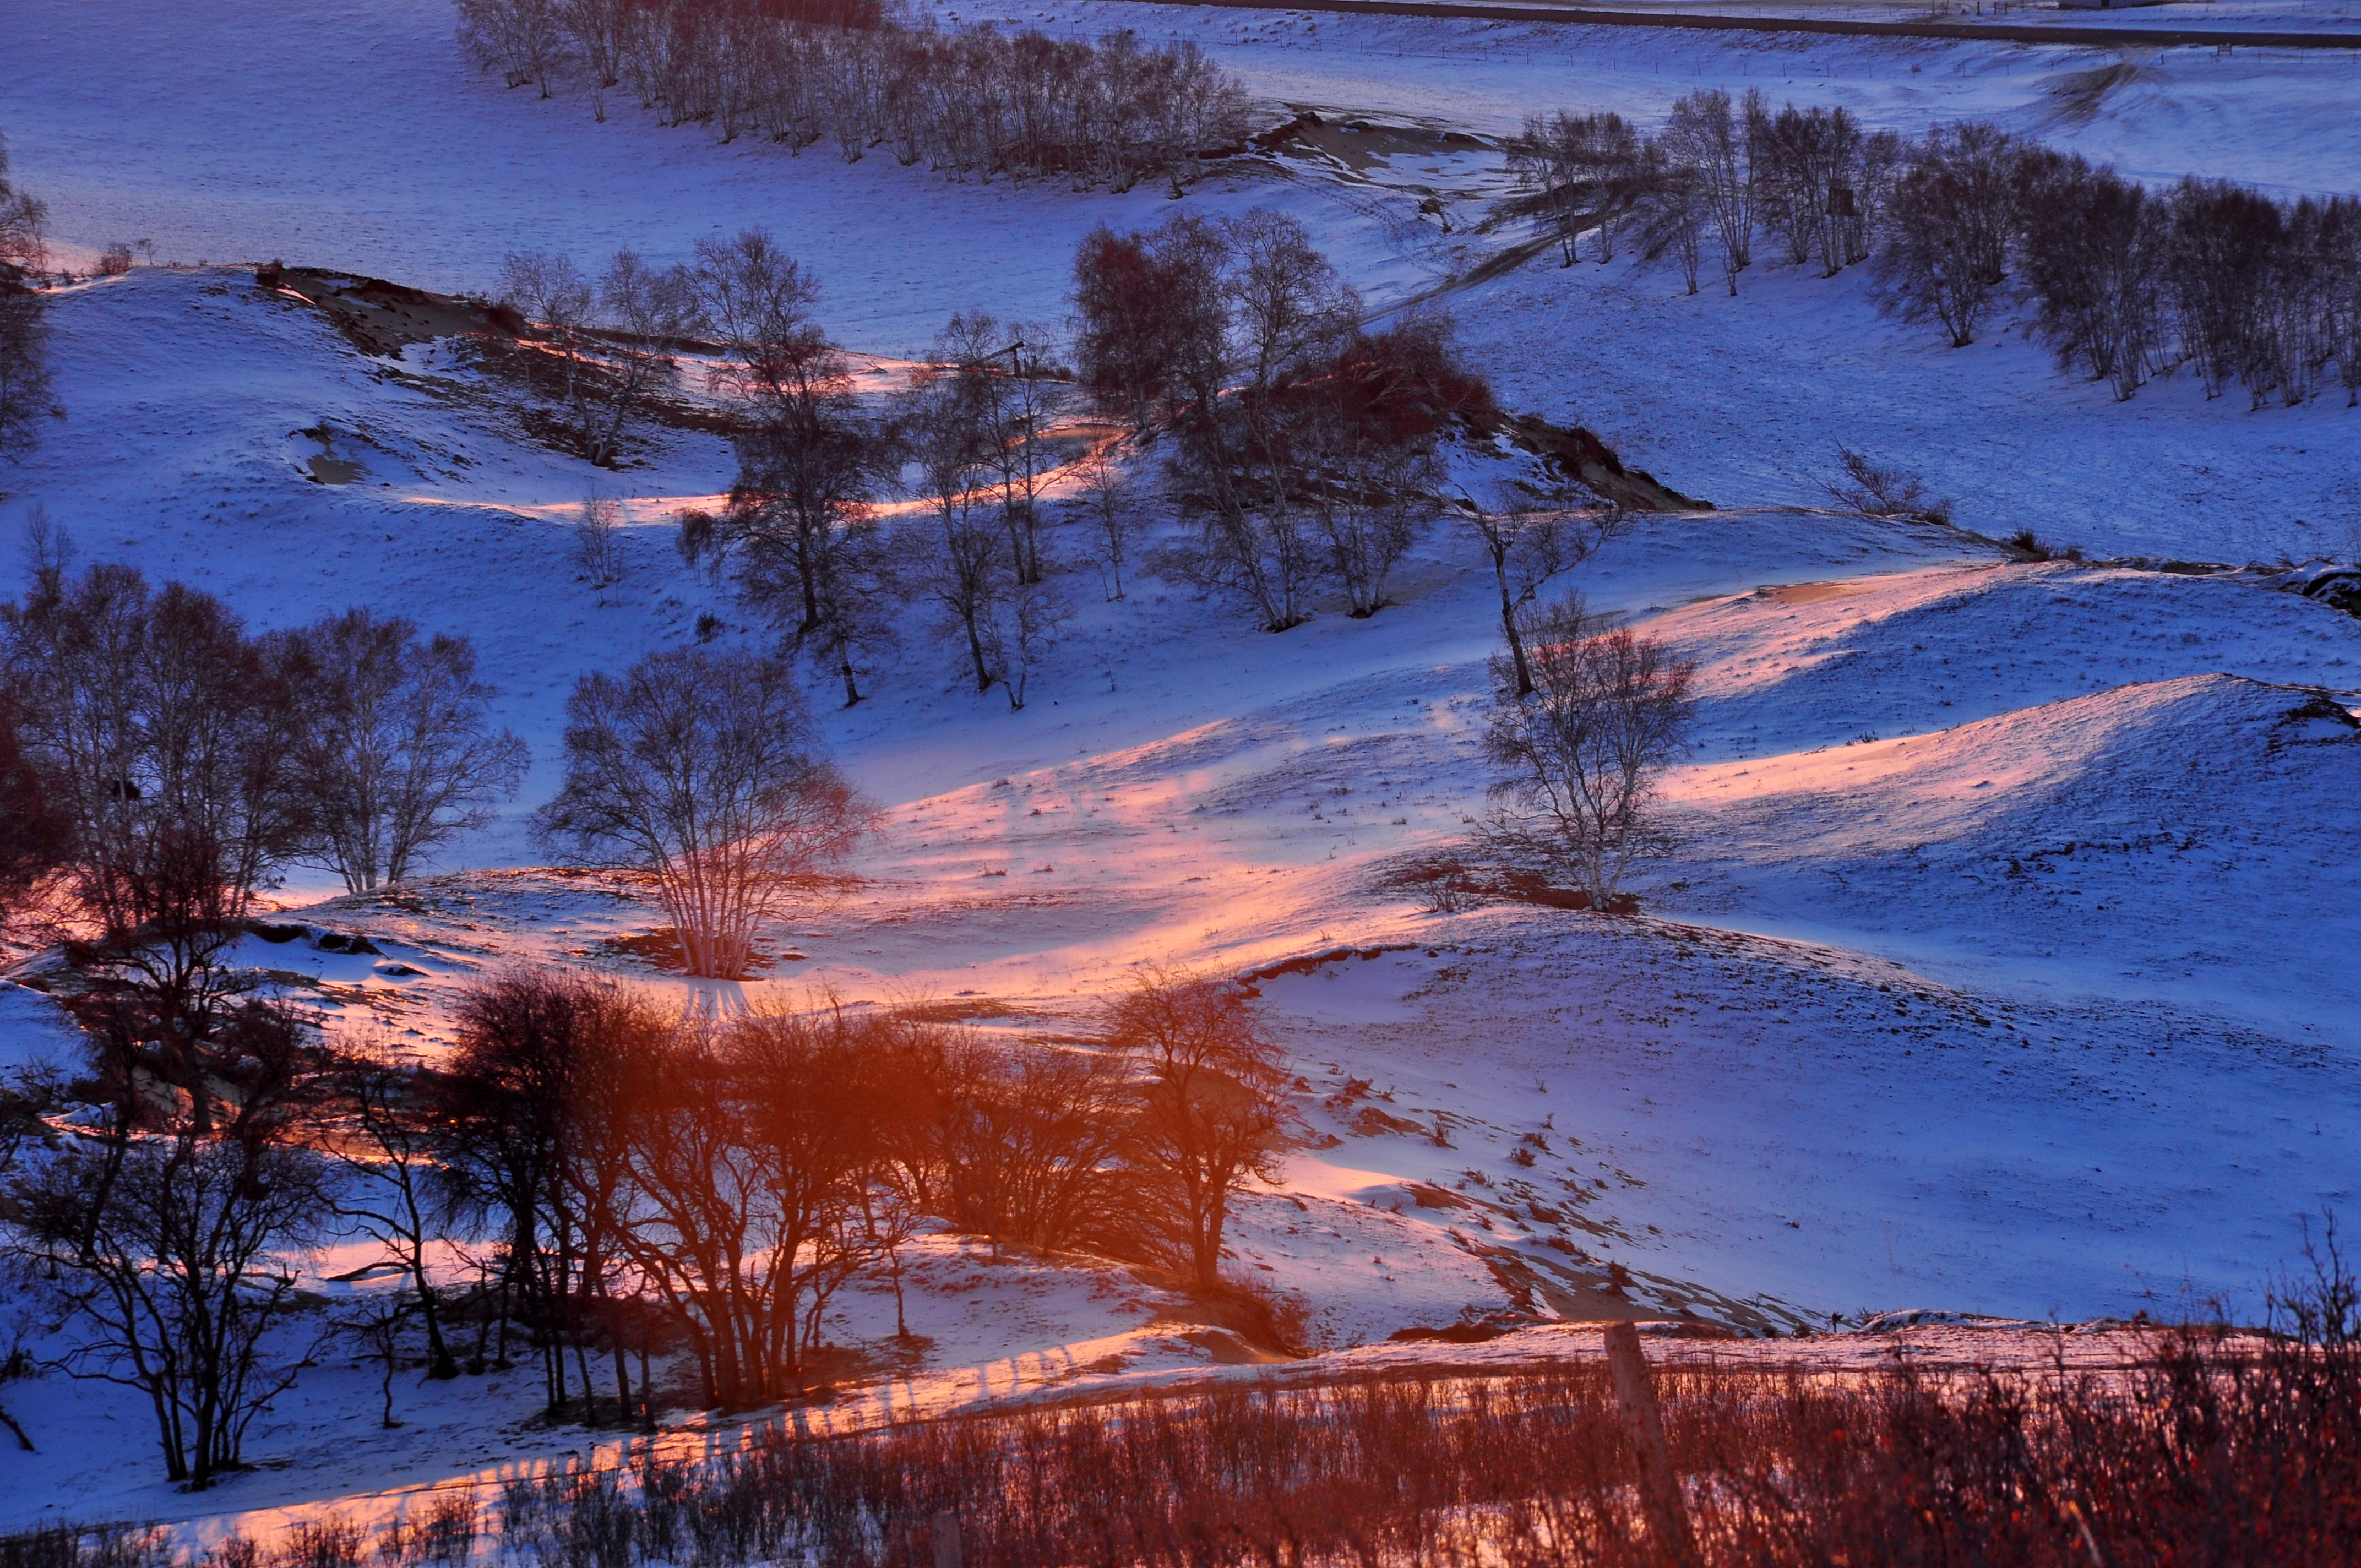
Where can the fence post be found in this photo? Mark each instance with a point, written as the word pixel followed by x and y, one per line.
pixel 950 1552
pixel 1660 1488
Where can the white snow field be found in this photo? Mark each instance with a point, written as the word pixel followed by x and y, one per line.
pixel 2005 962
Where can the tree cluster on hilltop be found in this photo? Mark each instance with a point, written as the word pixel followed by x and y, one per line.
pixel 2127 281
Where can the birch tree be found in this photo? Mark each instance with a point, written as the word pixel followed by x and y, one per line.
pixel 1584 753
pixel 702 766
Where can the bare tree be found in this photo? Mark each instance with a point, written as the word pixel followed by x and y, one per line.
pixel 1023 1142
pixel 1529 540
pixel 25 395
pixel 1585 750
pixel 525 41
pixel 598 544
pixel 1277 306
pixel 22 219
pixel 1007 384
pixel 2094 248
pixel 801 528
pixel 1702 134
pixel 761 301
pixel 176 1261
pixel 1673 211
pixel 1948 226
pixel 703 767
pixel 1876 491
pixel 510 1109
pixel 811 1114
pixel 954 554
pixel 394 751
pixel 1207 1118
pixel 1807 172
pixel 1578 174
pixel 601 31
pixel 552 292
pixel 389 1106
pixel 1023 629
pixel 1151 319
pixel 648 313
pixel 704 1240
pixel 1370 450
pixel 1104 497
pixel 33 829
pixel 756 1153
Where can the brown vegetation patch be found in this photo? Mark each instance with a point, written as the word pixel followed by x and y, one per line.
pixel 956 1010
pixel 1455 1333
pixel 2204 1452
pixel 1449 884
pixel 1371 1121
pixel 660 949
pixel 1312 963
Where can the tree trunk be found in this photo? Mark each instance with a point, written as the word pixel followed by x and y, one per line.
pixel 1508 628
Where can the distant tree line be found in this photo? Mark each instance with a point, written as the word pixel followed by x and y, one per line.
pixel 2127 281
pixel 968 101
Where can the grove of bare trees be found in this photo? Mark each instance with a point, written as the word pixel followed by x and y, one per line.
pixel 1308 442
pixel 601 1185
pixel 2127 281
pixel 613 338
pixel 173 764
pixel 966 100
pixel 715 1186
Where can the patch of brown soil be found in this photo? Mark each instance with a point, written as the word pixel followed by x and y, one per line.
pixel 1359 145
pixel 1582 456
pixel 381 318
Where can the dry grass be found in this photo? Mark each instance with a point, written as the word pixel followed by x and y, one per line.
pixel 2210 1453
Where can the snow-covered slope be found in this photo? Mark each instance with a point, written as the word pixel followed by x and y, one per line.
pixel 2192 838
pixel 2006 963
pixel 1185 788
pixel 1828 663
pixel 257 150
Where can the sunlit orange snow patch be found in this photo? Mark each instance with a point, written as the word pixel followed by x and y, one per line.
pixel 1754 639
pixel 1938 785
pixel 1937 775
pixel 639 512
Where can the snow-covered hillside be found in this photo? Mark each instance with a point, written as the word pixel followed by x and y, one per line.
pixel 2005 962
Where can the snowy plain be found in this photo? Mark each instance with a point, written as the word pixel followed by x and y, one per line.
pixel 2007 960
